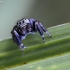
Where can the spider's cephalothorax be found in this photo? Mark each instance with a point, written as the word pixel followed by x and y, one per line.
pixel 26 26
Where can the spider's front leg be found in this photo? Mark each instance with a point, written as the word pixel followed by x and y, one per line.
pixel 17 39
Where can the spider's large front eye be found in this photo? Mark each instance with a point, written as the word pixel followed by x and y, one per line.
pixel 19 23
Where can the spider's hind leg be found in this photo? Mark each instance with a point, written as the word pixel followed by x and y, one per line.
pixel 45 30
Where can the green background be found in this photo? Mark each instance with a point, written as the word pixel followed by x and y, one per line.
pixel 49 12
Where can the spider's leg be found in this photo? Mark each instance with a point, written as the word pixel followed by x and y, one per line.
pixel 45 30
pixel 39 29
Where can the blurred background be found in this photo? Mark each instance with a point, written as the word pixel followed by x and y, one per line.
pixel 49 12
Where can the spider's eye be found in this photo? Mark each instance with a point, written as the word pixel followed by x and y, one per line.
pixel 23 21
pixel 20 23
